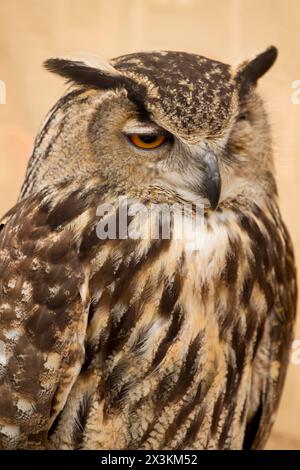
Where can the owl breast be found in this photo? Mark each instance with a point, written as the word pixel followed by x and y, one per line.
pixel 165 344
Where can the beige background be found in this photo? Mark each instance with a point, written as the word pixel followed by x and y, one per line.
pixel 227 30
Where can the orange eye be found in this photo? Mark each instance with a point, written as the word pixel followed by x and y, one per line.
pixel 147 141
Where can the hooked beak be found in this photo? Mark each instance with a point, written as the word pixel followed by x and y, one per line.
pixel 212 182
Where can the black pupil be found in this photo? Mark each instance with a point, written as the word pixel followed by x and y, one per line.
pixel 148 138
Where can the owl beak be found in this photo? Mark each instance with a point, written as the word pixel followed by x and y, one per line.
pixel 212 179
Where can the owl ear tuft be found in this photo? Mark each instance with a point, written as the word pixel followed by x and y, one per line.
pixel 249 72
pixel 93 73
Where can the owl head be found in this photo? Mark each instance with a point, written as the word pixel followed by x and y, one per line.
pixel 158 126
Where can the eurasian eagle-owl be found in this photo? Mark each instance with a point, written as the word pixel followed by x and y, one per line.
pixel 140 343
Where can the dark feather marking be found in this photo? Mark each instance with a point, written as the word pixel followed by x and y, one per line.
pixel 55 424
pixel 225 321
pixel 92 310
pixel 187 372
pixel 231 380
pixel 172 333
pixel 258 241
pixel 193 430
pixel 170 294
pixel 119 330
pixel 38 233
pixel 90 239
pixel 269 295
pixel 229 274
pixel 247 289
pixel 113 378
pixel 158 396
pixel 218 408
pixel 205 289
pixel 166 395
pixel 251 324
pixel 81 420
pixel 226 427
pixel 261 275
pixel 261 216
pixel 186 410
pixel 60 251
pixel 41 327
pixel 244 411
pixel 239 346
pixel 34 218
pixel 67 210
pixel 259 336
pixel 40 292
pixel 235 367
pixel 63 316
pixel 128 271
pixel 252 428
pixel 231 304
pixel 115 402
pixel 260 263
pixel 141 337
pixel 112 384
pixel 148 291
pixel 281 274
pixel 91 351
pixel 103 277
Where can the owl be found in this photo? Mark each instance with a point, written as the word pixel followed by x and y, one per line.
pixel 125 342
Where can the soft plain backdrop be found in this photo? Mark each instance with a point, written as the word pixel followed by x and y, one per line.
pixel 227 30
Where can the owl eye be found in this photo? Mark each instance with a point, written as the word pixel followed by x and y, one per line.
pixel 147 141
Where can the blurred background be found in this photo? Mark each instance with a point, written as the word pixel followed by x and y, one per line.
pixel 226 30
